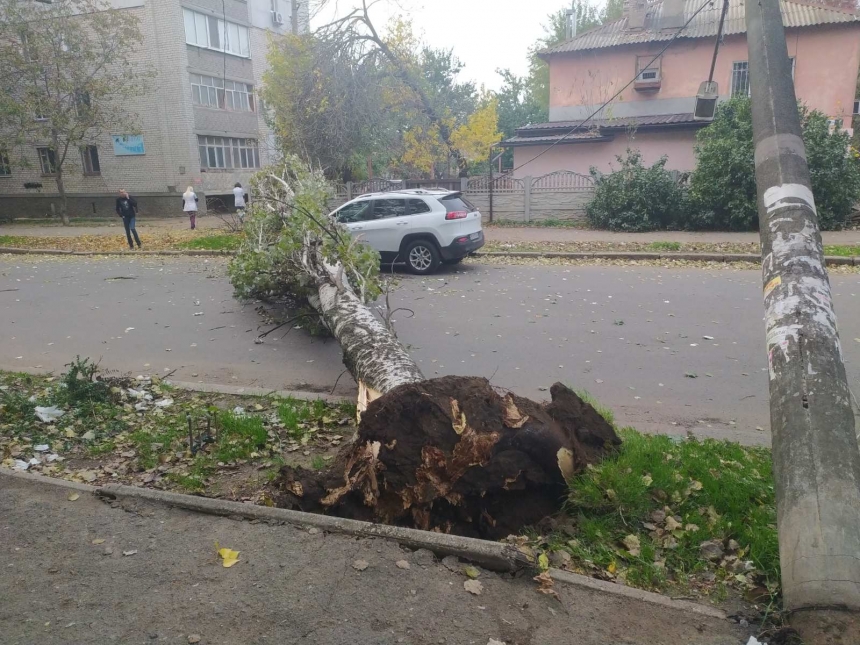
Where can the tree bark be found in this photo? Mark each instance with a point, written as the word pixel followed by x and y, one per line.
pixel 61 186
pixel 371 353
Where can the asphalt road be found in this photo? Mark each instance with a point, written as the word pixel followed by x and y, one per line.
pixel 632 336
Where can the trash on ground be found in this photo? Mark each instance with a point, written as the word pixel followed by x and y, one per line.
pixel 48 414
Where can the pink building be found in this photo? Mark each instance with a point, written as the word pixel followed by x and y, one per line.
pixel 655 114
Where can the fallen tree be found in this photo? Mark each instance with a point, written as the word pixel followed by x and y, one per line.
pixel 451 454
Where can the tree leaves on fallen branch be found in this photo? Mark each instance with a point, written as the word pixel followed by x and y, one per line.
pixel 292 249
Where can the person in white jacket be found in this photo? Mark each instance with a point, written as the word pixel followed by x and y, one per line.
pixel 189 205
pixel 240 199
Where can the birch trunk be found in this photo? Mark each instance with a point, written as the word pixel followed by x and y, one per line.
pixel 371 353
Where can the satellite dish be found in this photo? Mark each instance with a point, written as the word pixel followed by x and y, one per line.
pixel 706 101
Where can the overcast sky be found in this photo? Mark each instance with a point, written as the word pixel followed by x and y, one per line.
pixel 485 34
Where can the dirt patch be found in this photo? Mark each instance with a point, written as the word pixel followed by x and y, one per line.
pixel 455 455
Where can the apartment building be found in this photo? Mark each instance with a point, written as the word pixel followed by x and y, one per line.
pixel 201 122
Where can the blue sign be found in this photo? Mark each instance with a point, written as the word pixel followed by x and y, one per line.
pixel 127 144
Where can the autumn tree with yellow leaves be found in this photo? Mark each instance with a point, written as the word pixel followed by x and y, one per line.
pixel 349 92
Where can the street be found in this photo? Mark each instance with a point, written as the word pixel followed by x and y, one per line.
pixel 668 350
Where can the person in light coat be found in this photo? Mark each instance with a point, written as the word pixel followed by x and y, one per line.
pixel 240 200
pixel 189 205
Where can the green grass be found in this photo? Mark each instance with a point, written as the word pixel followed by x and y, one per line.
pixel 11 240
pixel 223 242
pixel 842 250
pixel 719 491
pixel 665 246
pixel 239 436
pixel 318 463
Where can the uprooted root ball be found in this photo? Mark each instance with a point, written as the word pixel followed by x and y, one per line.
pixel 452 454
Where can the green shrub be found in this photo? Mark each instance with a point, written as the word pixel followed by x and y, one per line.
pixel 723 189
pixel 636 197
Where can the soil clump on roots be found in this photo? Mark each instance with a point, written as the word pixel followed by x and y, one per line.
pixel 455 455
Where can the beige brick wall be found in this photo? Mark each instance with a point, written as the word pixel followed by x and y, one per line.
pixel 165 114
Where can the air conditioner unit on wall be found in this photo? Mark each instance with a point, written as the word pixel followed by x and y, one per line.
pixel 277 18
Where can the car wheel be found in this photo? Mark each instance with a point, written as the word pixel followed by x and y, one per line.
pixel 422 257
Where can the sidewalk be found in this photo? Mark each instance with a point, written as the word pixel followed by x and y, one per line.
pixel 85 572
pixel 544 234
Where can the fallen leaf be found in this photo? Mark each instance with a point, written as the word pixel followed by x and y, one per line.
pixel 647 479
pixel 546 582
pixel 132 552
pixel 98 541
pixel 360 565
pixel 471 572
pixel 543 562
pixel 632 544
pixel 473 587
pixel 402 564
pixel 612 568
pixel 194 638
pixel 672 523
pixel 229 557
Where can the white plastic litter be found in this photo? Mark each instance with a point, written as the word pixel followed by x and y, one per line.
pixel 138 394
pixel 754 641
pixel 49 414
pixel 42 447
pixel 20 465
pixel 140 407
pixel 53 457
pixel 34 462
pixel 164 403
pixel 239 411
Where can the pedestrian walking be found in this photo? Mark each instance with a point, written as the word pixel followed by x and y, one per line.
pixel 189 205
pixel 126 208
pixel 240 197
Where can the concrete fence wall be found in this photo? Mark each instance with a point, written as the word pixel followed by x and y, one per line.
pixel 556 196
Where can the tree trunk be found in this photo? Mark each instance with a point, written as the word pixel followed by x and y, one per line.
pixel 61 186
pixel 371 353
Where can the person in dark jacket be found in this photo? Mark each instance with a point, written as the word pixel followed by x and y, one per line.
pixel 126 207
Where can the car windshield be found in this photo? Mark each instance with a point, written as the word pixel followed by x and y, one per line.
pixel 456 202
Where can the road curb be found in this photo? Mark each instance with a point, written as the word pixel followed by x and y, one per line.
pixel 832 260
pixel 186 252
pixel 635 255
pixel 217 388
pixel 492 555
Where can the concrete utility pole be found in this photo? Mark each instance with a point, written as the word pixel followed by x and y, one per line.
pixel 815 450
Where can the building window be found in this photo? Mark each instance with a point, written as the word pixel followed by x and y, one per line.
pixel 90 159
pixel 47 161
pixel 82 102
pixel 5 166
pixel 227 152
pixel 741 77
pixel 207 31
pixel 856 107
pixel 209 91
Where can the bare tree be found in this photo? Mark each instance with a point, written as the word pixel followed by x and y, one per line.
pixel 68 76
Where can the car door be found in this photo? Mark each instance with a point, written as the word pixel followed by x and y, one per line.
pixel 387 227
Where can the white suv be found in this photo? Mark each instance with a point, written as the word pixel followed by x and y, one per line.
pixel 418 227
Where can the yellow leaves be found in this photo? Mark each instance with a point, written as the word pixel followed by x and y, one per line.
pixel 612 568
pixel 73 497
pixel 543 562
pixel 229 557
pixel 474 138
